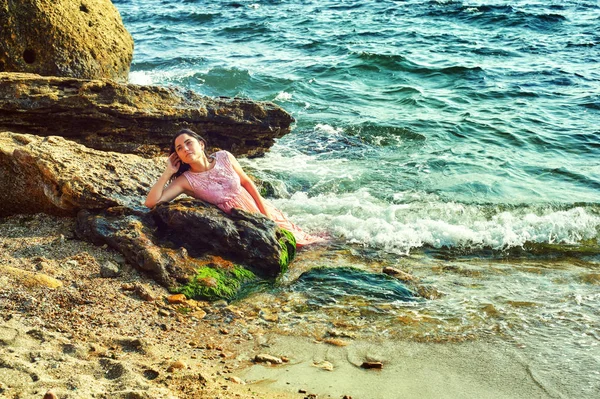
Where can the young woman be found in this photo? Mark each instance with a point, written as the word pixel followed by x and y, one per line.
pixel 218 179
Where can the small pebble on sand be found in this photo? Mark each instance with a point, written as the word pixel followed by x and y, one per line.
pixel 177 365
pixel 50 395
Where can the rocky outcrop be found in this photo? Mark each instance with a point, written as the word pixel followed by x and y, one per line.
pixel 76 38
pixel 171 242
pixel 60 177
pixel 135 119
pixel 105 190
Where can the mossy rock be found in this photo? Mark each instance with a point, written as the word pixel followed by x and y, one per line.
pixel 214 283
pixel 287 241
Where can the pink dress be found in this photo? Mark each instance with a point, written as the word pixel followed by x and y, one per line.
pixel 221 186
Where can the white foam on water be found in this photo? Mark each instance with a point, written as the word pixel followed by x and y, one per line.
pixel 141 78
pixel 361 218
pixel 162 78
pixel 283 96
pixel 329 129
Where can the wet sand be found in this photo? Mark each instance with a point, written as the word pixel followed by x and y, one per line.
pixel 410 370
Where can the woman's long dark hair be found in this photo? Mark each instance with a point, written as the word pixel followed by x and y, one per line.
pixel 184 166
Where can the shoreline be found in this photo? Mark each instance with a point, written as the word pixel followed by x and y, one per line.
pixel 475 369
pixel 109 337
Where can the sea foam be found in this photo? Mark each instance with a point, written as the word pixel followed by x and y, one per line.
pixel 363 219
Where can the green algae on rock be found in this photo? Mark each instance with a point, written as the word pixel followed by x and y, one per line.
pixel 216 283
pixel 287 241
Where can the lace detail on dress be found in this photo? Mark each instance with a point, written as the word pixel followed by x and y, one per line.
pixel 217 185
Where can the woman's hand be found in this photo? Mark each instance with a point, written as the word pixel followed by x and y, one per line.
pixel 173 163
pixel 160 193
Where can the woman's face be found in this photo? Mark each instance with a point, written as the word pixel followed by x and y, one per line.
pixel 188 148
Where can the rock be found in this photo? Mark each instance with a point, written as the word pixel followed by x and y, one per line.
pixel 335 342
pixel 237 380
pixel 325 365
pixel 149 247
pixel 130 118
pixel 144 293
pixel 177 365
pixel 199 314
pixel 132 234
pixel 398 274
pixel 128 287
pixel 50 395
pixel 220 304
pixel 264 358
pixel 246 237
pixel 176 299
pixel 372 365
pixel 341 334
pixel 57 176
pixel 152 240
pixel 109 269
pixel 30 279
pixel 429 292
pixel 75 38
pixel 268 315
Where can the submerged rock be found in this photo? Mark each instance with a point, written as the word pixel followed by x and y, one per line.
pixel 398 274
pixel 57 176
pixel 130 118
pixel 326 285
pixel 85 39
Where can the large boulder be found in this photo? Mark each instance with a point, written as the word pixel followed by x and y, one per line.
pixel 250 238
pixel 171 244
pixel 135 119
pixel 57 176
pixel 76 38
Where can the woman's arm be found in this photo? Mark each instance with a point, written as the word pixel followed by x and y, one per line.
pixel 249 186
pixel 160 193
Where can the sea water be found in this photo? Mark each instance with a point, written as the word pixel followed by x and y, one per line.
pixel 457 140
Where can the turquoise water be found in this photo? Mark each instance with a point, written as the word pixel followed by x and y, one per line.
pixel 457 140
